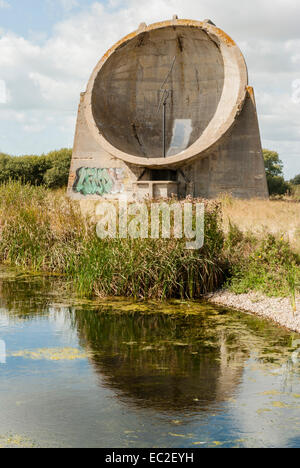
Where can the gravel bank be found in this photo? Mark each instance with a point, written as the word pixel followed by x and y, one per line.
pixel 277 309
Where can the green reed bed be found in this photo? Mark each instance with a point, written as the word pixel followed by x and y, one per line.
pixel 42 230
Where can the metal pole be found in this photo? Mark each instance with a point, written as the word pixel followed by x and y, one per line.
pixel 163 101
pixel 164 127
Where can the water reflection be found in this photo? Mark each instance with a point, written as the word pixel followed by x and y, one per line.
pixel 26 295
pixel 160 361
pixel 152 370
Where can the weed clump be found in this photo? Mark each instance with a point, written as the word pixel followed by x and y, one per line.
pixel 266 264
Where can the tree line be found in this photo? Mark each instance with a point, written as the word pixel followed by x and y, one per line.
pixel 52 170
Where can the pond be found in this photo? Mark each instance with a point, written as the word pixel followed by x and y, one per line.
pixel 119 373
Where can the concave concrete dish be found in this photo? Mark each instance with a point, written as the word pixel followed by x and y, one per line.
pixel 196 63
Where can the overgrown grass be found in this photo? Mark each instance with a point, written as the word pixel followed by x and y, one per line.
pixel 263 217
pixel 266 264
pixel 42 230
pixel 295 192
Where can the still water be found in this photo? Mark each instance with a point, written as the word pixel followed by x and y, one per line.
pixel 124 374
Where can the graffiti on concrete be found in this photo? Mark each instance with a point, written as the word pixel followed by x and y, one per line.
pixel 95 181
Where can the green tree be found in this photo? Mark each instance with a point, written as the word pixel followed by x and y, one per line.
pixel 273 165
pixel 50 169
pixel 58 174
pixel 274 171
pixel 296 180
pixel 4 159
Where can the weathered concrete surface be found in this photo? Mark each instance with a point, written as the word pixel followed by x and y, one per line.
pixel 126 91
pixel 236 166
pixel 212 134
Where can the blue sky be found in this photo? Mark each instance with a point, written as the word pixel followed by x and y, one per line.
pixel 48 49
pixel 32 18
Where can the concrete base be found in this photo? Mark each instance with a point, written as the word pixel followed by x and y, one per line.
pixel 235 166
pixel 155 189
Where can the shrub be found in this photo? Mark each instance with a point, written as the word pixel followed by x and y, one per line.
pixel 277 185
pixel 263 265
pixel 296 180
pixel 57 175
pixel 51 169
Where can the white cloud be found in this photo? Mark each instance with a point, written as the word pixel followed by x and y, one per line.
pixel 296 91
pixel 50 88
pixel 68 5
pixel 46 80
pixel 4 94
pixel 4 4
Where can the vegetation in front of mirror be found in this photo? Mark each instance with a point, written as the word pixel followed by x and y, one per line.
pixel 43 230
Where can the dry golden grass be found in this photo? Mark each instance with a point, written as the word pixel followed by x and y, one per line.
pixel 264 216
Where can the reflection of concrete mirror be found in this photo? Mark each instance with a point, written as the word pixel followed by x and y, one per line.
pixel 158 370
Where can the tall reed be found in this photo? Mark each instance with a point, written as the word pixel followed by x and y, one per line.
pixel 43 230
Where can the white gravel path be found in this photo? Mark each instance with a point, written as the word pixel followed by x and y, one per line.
pixel 277 309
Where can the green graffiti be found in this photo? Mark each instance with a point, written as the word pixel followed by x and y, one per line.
pixel 93 181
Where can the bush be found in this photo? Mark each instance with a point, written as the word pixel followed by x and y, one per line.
pixel 296 180
pixel 57 175
pixel 51 170
pixel 266 265
pixel 277 185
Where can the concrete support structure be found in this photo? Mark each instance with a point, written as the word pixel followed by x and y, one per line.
pixel 178 88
